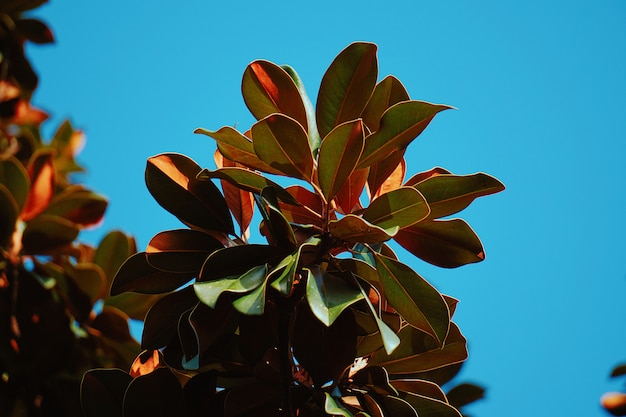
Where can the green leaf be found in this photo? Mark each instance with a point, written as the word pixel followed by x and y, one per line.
pixel 280 232
pixel 78 205
pixel 419 352
pixel 449 194
pixel 329 295
pixel 387 93
pixel 171 179
pixel 112 251
pixel 418 302
pixel 346 86
pixel 253 303
pixel 338 155
pixel 355 229
pixel 334 408
pixel 282 276
pixel 208 292
pixel 268 88
pixel 445 243
pixel 102 392
pixel 14 177
pixel 47 232
pixel 135 305
pixel 137 275
pixel 238 148
pixel 282 143
pixel 90 279
pixel 399 126
pixel 398 208
pixel 389 337
pixel 181 250
pixel 249 181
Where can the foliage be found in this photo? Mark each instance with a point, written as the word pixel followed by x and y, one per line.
pixel 615 402
pixel 323 319
pixel 56 317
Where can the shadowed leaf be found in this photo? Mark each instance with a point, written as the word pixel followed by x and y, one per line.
pixel 429 407
pixel 78 205
pixel 310 208
pixel 347 198
pixel 157 394
pixel 14 177
pixel 464 394
pixel 102 392
pixel 386 175
pixel 398 208
pixel 387 93
pixel 8 216
pixel 355 229
pixel 46 233
pixel 162 319
pixel 181 250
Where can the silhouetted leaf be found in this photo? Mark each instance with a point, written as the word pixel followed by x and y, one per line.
pixel 46 233
pixel 102 392
pixel 268 88
pixel 329 295
pixel 334 407
pixel 387 93
pixel 355 229
pixel 394 406
pixel 157 394
pixel 346 86
pixel 162 319
pixel 399 126
pixel 398 208
pixel 236 260
pixel 449 194
pixel 282 143
pixel 464 394
pixel 181 250
pixel 171 179
pixel 8 216
pixel 209 291
pixel 374 379
pixel 445 243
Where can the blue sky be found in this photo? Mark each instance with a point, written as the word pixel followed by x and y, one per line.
pixel 539 87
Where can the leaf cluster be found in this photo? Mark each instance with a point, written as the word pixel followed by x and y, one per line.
pixel 323 318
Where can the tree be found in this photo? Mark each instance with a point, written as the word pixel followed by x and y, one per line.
pixel 323 319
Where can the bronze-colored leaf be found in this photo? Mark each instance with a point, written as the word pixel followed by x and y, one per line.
pixel 387 93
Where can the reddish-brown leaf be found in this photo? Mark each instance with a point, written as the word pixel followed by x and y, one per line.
pixel 240 202
pixel 41 173
pixel 347 199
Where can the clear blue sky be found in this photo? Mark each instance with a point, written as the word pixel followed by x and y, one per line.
pixel 540 88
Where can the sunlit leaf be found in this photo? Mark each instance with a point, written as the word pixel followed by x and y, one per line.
pixel 418 302
pixel 446 243
pixel 398 208
pixel 171 179
pixel 347 198
pixel 329 295
pixel 41 173
pixel 399 126
pixel 209 291
pixel 14 177
pixel 421 176
pixel 181 250
pixel 338 155
pixel 282 143
pixel 253 303
pixel 386 175
pixel 47 232
pixel 78 205
pixel 387 93
pixel 268 88
pixel 355 229
pixel 346 86
pixel 449 194
pixel 240 202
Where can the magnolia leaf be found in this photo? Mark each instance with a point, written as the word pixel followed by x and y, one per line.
pixel 8 216
pixel 395 406
pixel 181 250
pixel 161 322
pixel 279 232
pixel 111 253
pixel 162 389
pixel 102 392
pixel 235 260
pixel 418 302
pixel 429 407
pixel 268 88
pixel 445 243
pixel 419 177
pixel 171 179
pixel 347 198
pixel 135 305
pixel 386 175
pixel 209 291
pixel 308 212
pixel 249 181
pixel 346 86
pixel 89 278
pixel 399 126
pixel 338 155
pixel 47 232
pixel 355 229
pixel 78 205
pixel 387 93
pixel 398 208
pixel 240 202
pixel 41 173
pixel 14 177
pixel 237 148
pixel 334 408
pixel 449 194
pixel 137 275
pixel 329 295
pixel 282 143
pixel 421 387
pixel 253 303
pixel 464 394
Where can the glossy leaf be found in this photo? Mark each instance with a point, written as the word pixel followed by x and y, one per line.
pixel 162 389
pixel 15 178
pixel 249 181
pixel 240 202
pixel 346 86
pixel 445 243
pixel 429 407
pixel 387 93
pixel 386 175
pixel 421 176
pixel 338 155
pixel 41 173
pixel 418 302
pixel 282 143
pixel 449 194
pixel 310 208
pixel 253 303
pixel 282 277
pixel 209 291
pixel 78 205
pixel 137 275
pixel 347 198
pixel 268 88
pixel 181 250
pixel 237 148
pixel 419 352
pixel 236 260
pixel 102 392
pixel 171 179
pixel 399 126
pixel 161 321
pixel 395 406
pixel 400 208
pixel 419 386
pixel 355 229
pixel 329 295
pixel 46 233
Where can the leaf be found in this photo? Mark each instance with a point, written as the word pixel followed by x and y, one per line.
pixel 237 148
pixel 347 198
pixel 34 30
pixel 181 250
pixel 137 275
pixel 355 229
pixel 78 205
pixel 386 175
pixel 399 126
pixel 310 208
pixel 386 93
pixel 90 279
pixel 374 379
pixel 618 370
pixel 134 305
pixel 161 322
pixel 14 177
pixel 445 243
pixel 157 394
pixel 449 194
pixel 338 155
pixel 464 394
pixel 420 386
pixel 268 88
pixel 282 143
pixel 429 407
pixel 235 260
pixel 102 392
pixel 41 173
pixel 418 302
pixel 329 295
pixel 346 86
pixel 249 181
pixel 112 251
pixel 209 291
pixel 334 408
pixel 398 208
pixel 113 323
pixel 46 232
pixel 171 179
pixel 419 177
pixel 418 352
pixel 8 216
pixel 253 303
